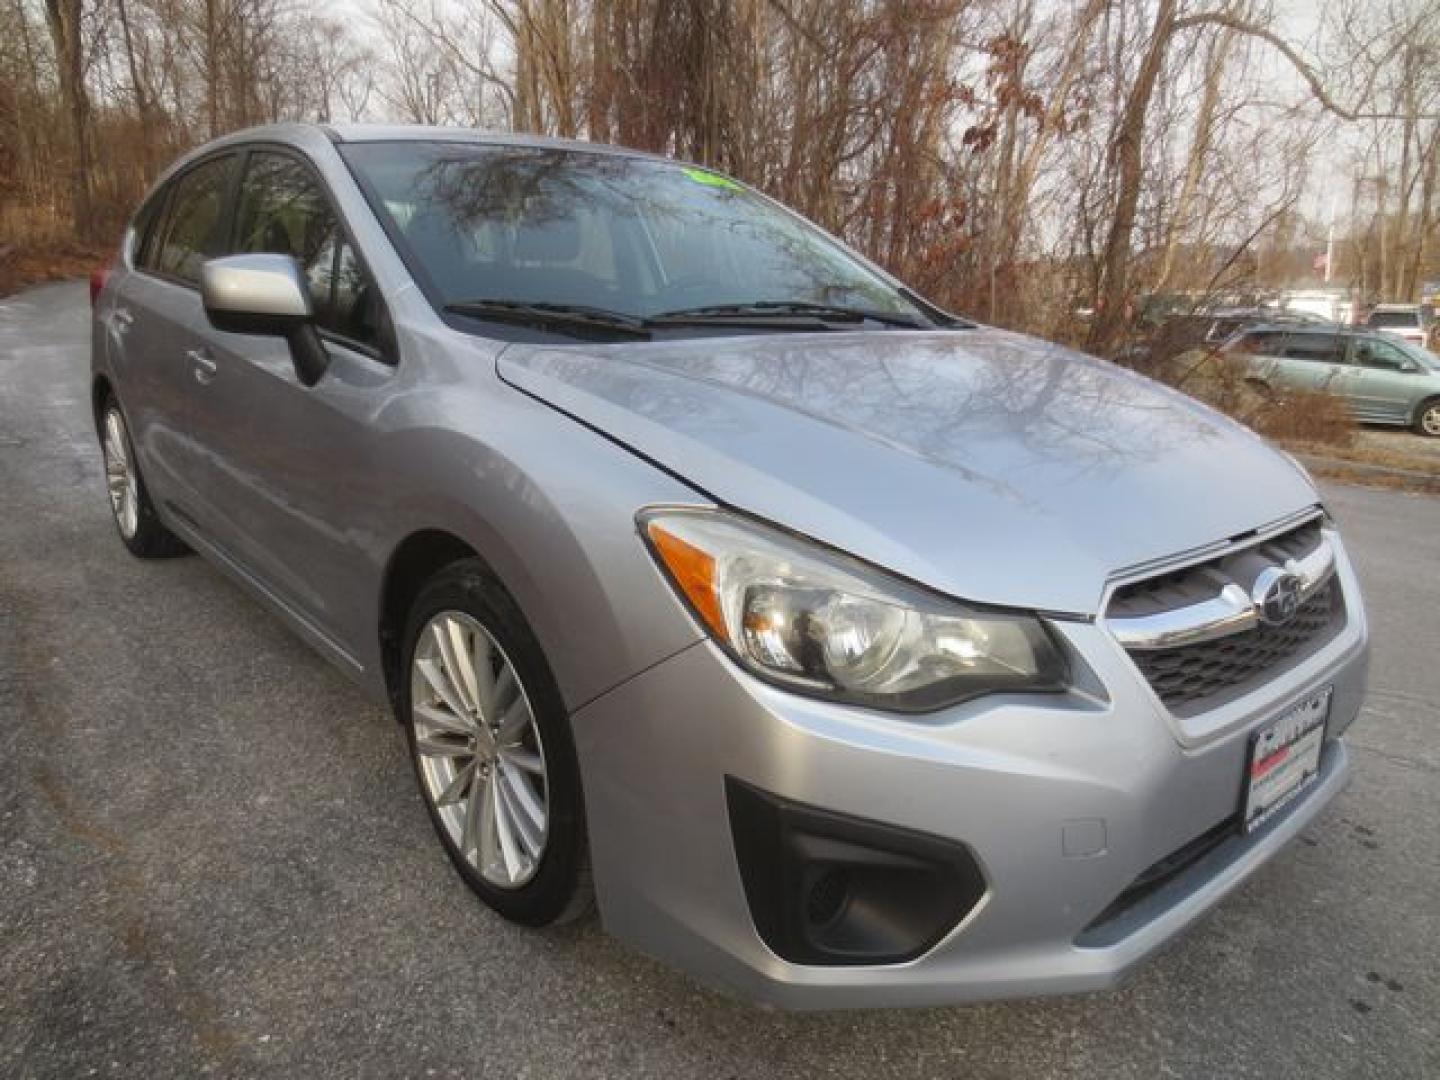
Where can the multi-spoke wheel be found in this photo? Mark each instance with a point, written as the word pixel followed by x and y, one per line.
pixel 120 474
pixel 481 756
pixel 1427 421
pixel 492 748
pixel 135 516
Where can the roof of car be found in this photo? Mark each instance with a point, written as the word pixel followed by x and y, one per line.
pixel 307 137
pixel 360 133
pixel 1297 326
pixel 1408 309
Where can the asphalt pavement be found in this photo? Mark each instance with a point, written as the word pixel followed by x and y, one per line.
pixel 213 859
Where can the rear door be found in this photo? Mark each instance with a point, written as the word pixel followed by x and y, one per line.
pixel 1381 384
pixel 158 326
pixel 289 466
pixel 1264 353
pixel 1309 360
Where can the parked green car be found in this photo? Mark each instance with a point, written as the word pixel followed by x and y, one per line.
pixel 1385 380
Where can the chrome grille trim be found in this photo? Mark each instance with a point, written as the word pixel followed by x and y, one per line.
pixel 1230 610
pixel 1202 631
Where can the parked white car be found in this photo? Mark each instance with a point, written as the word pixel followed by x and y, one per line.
pixel 1402 320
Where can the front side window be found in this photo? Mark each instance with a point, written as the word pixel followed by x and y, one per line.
pixel 190 233
pixel 1372 353
pixel 284 211
pixel 634 236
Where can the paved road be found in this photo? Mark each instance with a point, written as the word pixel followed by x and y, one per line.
pixel 213 859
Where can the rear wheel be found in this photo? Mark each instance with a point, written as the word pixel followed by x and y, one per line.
pixel 492 749
pixel 139 526
pixel 1427 418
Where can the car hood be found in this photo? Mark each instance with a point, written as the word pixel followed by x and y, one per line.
pixel 990 466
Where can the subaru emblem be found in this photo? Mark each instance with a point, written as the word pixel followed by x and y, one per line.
pixel 1276 595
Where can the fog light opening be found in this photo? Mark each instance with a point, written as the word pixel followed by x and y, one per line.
pixel 827 897
pixel 828 888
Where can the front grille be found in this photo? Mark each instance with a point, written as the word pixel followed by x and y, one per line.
pixel 1190 678
pixel 1191 674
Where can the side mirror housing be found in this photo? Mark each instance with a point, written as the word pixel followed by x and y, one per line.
pixel 265 294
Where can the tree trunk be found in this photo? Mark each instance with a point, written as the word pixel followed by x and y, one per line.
pixel 212 70
pixel 1199 153
pixel 1127 154
pixel 142 95
pixel 63 18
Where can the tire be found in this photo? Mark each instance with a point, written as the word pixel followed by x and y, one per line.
pixel 1427 418
pixel 468 734
pixel 139 526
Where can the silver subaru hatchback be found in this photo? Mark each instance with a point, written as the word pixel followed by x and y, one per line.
pixel 845 652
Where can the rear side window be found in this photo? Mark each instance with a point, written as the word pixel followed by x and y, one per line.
pixel 1222 329
pixel 148 224
pixel 283 210
pixel 1315 348
pixel 191 231
pixel 1259 344
pixel 1402 320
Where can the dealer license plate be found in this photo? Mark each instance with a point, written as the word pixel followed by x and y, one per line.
pixel 1285 758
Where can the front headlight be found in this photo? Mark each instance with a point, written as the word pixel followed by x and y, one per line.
pixel 820 622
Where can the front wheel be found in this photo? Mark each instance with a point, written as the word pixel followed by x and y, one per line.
pixel 1427 420
pixel 492 749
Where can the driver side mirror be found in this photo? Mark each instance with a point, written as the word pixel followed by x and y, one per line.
pixel 266 295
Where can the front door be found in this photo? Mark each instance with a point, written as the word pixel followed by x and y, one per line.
pixel 290 467
pixel 1380 383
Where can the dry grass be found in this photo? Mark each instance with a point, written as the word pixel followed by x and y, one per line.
pixel 1308 417
pixel 1370 476
pixel 1314 425
pixel 36 245
pixel 1398 450
pixel 1304 416
pixel 22 266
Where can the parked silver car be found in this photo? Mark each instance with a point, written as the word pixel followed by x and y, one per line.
pixel 1383 379
pixel 860 655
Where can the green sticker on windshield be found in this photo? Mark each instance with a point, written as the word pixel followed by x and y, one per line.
pixel 710 179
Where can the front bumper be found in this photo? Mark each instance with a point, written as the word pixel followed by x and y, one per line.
pixel 1064 801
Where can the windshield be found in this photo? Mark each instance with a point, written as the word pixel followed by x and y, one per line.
pixel 634 236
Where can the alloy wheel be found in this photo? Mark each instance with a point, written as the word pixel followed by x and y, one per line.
pixel 479 750
pixel 120 474
pixel 1430 422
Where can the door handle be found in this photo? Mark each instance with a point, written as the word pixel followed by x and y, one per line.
pixel 121 318
pixel 203 364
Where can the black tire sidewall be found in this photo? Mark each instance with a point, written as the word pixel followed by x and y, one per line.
pixel 469 587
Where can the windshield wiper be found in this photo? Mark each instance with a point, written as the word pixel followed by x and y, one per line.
pixel 566 318
pixel 783 309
